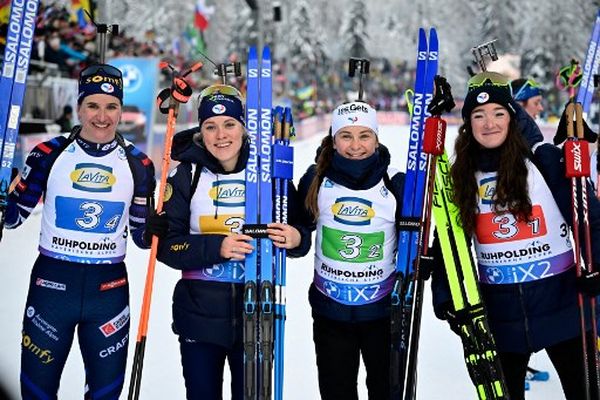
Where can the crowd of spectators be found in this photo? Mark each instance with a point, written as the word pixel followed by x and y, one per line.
pixel 61 43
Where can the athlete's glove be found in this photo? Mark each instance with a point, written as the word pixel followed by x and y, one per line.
pixel 156 225
pixel 426 266
pixel 589 283
pixel 561 131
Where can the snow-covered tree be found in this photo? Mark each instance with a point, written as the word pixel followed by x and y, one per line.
pixel 306 50
pixel 353 31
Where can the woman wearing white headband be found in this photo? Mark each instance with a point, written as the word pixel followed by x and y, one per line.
pixel 351 195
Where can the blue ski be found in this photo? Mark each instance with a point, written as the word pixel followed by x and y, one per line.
pixel 15 66
pixel 592 59
pixel 251 217
pixel 403 294
pixel 265 216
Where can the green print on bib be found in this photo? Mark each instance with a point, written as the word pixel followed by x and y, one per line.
pixel 355 247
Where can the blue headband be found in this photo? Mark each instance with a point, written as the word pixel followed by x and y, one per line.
pixel 98 79
pixel 219 104
pixel 527 91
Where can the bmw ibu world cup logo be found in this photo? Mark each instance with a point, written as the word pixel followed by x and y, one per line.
pixel 494 275
pixel 30 311
pixel 132 77
pixel 332 290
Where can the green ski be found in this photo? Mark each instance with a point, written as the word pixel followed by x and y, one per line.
pixel 482 362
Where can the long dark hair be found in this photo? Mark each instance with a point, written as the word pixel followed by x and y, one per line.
pixel 512 192
pixel 323 162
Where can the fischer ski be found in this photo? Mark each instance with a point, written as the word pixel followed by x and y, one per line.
pixel 480 354
pixel 15 66
pixel 259 275
pixel 407 293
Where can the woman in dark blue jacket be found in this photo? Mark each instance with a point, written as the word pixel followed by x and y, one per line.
pixel 351 195
pixel 517 208
pixel 204 203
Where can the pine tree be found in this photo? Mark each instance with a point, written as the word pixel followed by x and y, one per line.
pixel 354 30
pixel 306 50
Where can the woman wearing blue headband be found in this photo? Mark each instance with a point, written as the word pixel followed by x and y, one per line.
pixel 205 206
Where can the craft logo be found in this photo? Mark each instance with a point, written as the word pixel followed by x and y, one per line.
pixel 352 211
pixel 91 177
pixel 228 193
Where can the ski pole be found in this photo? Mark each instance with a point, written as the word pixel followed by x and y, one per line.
pixel 179 92
pixel 577 164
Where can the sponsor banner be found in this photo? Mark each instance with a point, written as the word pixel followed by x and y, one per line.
pixel 116 324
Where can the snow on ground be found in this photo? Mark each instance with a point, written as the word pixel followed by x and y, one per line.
pixel 442 374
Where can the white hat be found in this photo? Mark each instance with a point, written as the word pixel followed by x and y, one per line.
pixel 356 113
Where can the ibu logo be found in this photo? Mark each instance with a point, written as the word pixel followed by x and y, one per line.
pixel 91 177
pixel 487 190
pixel 230 193
pixel 352 211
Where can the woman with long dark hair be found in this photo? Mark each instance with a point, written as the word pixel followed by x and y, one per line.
pixel 515 204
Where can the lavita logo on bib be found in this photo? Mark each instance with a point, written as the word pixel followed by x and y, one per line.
pixel 352 211
pixel 228 193
pixel 92 177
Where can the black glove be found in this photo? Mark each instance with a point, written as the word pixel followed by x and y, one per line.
pixel 442 100
pixel 561 132
pixel 426 266
pixel 589 283
pixel 446 312
pixel 156 225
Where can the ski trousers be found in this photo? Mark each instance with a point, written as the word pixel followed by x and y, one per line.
pixel 203 365
pixel 338 347
pixel 567 359
pixel 64 296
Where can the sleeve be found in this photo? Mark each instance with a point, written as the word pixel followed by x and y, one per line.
pixel 440 289
pixel 144 185
pixel 308 219
pixel 297 214
pixel 180 249
pixel 397 187
pixel 529 129
pixel 32 184
pixel 550 161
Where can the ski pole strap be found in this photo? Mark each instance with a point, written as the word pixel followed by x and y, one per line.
pixel 180 90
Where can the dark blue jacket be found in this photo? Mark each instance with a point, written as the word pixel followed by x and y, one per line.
pixel 357 176
pixel 206 311
pixel 527 317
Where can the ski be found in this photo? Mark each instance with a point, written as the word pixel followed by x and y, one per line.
pixel 15 66
pixel 251 217
pixel 592 60
pixel 283 159
pixel 265 334
pixel 259 265
pixel 480 354
pixel 407 292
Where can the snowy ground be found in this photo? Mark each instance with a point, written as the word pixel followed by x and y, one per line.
pixel 442 374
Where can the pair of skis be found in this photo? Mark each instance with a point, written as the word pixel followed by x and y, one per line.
pixel 15 66
pixel 407 294
pixel 590 67
pixel 264 295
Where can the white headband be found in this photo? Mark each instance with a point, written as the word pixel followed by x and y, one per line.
pixel 354 114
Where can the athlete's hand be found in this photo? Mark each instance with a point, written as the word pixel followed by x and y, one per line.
pixel 14 179
pixel 283 236
pixel 589 283
pixel 236 246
